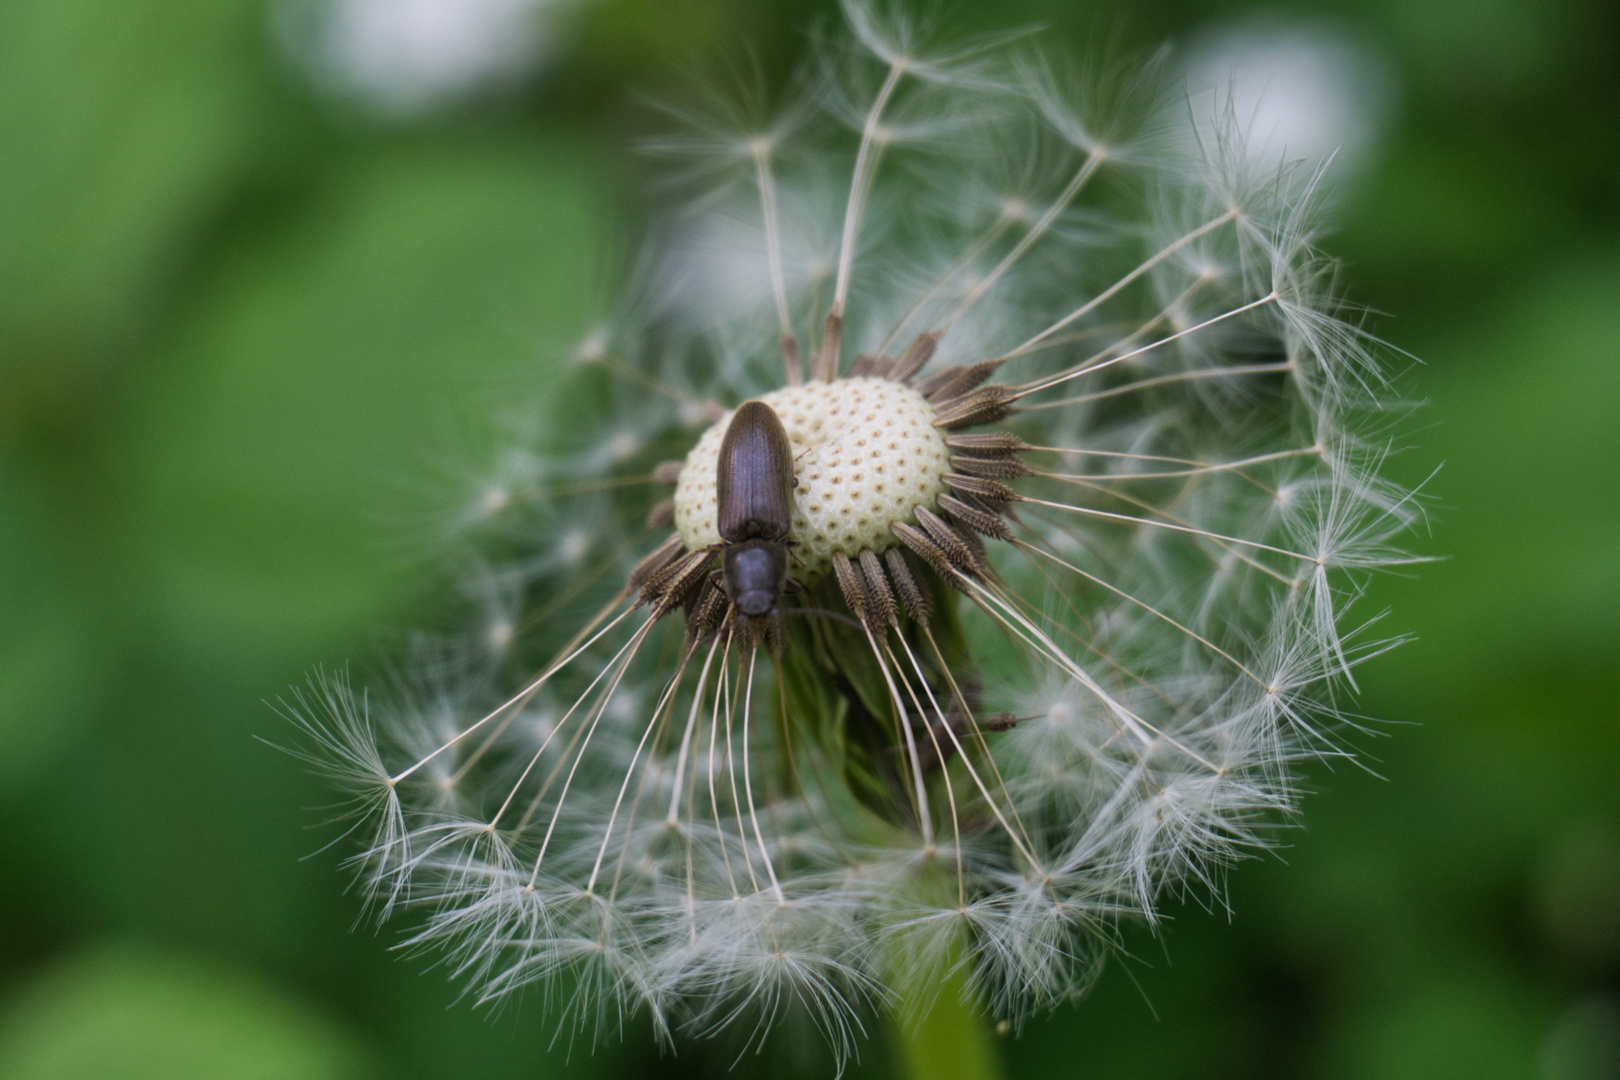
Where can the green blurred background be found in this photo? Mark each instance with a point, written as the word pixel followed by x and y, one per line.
pixel 242 302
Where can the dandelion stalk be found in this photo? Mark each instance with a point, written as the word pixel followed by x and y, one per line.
pixel 949 1041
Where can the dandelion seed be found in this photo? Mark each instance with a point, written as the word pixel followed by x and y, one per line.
pixel 1077 507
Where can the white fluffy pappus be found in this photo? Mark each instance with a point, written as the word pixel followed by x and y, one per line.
pixel 1002 722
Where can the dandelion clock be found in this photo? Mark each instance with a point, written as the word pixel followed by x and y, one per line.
pixel 941 560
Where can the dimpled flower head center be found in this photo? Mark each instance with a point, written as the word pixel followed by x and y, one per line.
pixel 866 455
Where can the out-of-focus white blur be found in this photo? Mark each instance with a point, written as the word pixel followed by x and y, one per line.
pixel 1295 91
pixel 403 58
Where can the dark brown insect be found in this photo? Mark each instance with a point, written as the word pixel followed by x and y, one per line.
pixel 754 493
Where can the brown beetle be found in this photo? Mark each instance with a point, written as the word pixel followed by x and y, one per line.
pixel 754 495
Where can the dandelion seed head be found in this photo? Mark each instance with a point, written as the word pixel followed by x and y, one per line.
pixel 494 500
pixel 574 546
pixel 593 348
pixel 1081 503
pixel 500 634
pixel 621 446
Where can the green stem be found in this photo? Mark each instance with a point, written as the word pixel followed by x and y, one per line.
pixel 951 1041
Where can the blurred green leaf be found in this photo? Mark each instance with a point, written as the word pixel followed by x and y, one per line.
pixel 1446 202
pixel 1523 413
pixel 46 671
pixel 1479 49
pixel 125 1012
pixel 1462 1025
pixel 321 368
pixel 1578 894
pixel 120 123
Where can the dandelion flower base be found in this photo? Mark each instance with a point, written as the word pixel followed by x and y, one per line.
pixel 866 456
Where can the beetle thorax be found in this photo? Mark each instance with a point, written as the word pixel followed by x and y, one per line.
pixel 866 455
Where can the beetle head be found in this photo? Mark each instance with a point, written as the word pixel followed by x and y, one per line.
pixel 755 572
